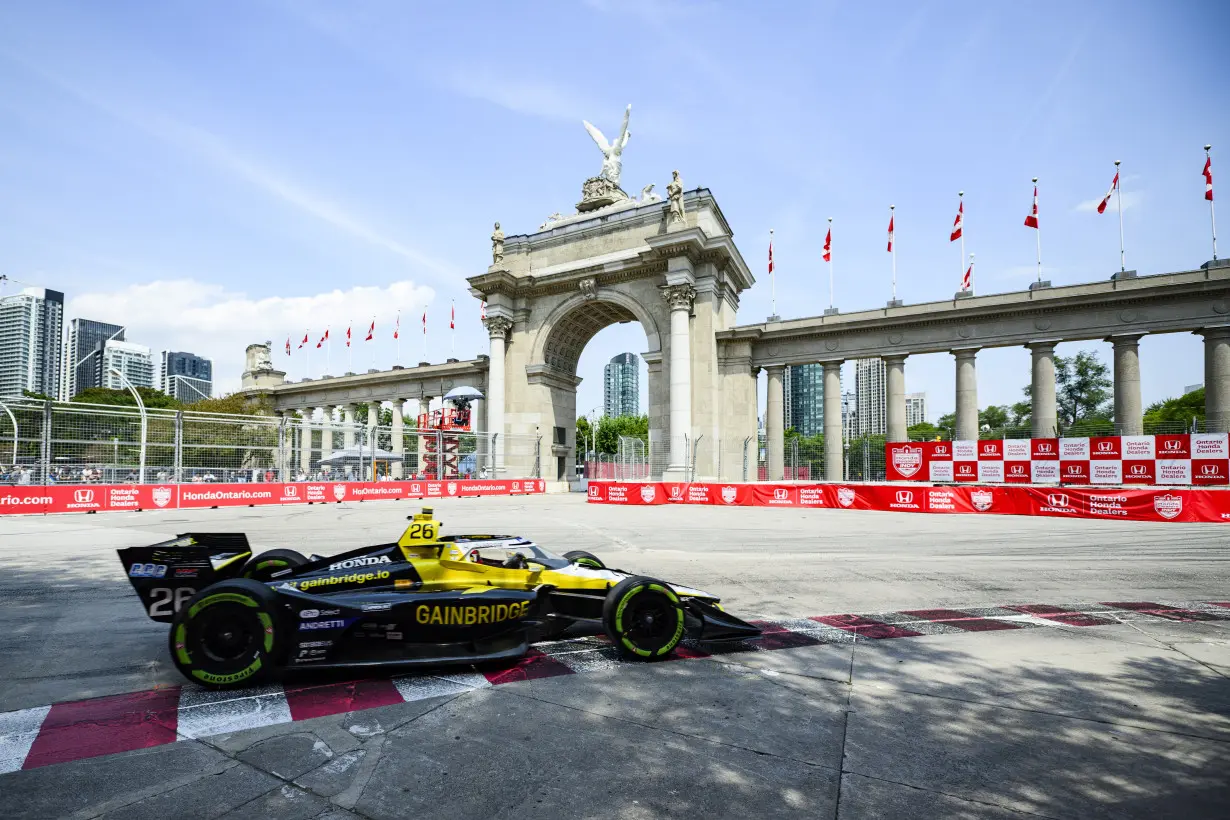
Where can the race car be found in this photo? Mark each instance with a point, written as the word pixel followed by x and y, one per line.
pixel 427 599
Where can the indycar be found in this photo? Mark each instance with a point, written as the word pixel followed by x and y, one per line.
pixel 427 599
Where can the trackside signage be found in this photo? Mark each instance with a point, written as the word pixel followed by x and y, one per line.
pixel 17 500
pixel 1199 459
pixel 1160 504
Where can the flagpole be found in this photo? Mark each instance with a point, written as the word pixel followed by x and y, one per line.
pixel 328 351
pixel 831 263
pixel 372 332
pixel 308 345
pixel 398 332
pixel 772 278
pixel 961 210
pixel 1119 201
pixel 452 329
pixel 350 347
pixel 1038 231
pixel 971 274
pixel 892 218
pixel 1212 218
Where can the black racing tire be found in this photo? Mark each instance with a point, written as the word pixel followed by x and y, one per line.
pixel 585 559
pixel 644 618
pixel 228 635
pixel 263 566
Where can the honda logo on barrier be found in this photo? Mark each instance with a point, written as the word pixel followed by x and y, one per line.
pixel 1057 499
pixel 1017 469
pixel 941 449
pixel 1173 444
pixel 966 469
pixel 1139 469
pixel 593 491
pixel 1073 469
pixel 905 497
pixel 290 491
pixel 1209 469
pixel 781 494
pixel 1106 446
pixel 1045 447
pixel 83 496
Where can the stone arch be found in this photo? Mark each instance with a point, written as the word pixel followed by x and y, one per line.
pixel 575 321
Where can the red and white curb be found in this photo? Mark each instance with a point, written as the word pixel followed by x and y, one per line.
pixel 75 730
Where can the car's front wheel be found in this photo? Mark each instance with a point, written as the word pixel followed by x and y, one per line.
pixel 227 635
pixel 643 617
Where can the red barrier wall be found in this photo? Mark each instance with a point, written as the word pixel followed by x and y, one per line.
pixel 1155 504
pixel 19 500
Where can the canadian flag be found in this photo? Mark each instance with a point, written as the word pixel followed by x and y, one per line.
pixel 1031 221
pixel 1208 178
pixel 397 326
pixel 482 311
pixel 348 336
pixel 323 339
pixel 371 331
pixel 958 223
pixel 770 256
pixel 968 279
pixel 305 340
pixel 287 345
pixel 890 232
pixel 828 246
pixel 452 316
pixel 424 321
pixel 1113 185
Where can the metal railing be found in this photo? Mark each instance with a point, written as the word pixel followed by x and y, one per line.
pixel 43 442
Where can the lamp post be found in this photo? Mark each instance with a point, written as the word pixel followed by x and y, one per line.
pixel 144 422
pixel 14 418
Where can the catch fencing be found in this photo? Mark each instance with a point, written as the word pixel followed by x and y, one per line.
pixel 49 442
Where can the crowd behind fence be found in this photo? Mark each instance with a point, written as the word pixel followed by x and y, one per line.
pixel 44 442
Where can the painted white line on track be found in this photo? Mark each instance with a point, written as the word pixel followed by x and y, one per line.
pixel 204 712
pixel 18 731
pixel 421 687
pixel 470 680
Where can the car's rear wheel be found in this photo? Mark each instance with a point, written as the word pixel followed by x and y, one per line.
pixel 643 617
pixel 268 564
pixel 585 559
pixel 227 635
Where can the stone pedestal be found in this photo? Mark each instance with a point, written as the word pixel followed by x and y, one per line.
pixel 599 192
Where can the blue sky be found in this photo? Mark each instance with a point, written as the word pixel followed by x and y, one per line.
pixel 213 174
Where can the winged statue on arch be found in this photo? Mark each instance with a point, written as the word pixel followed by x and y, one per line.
pixel 612 153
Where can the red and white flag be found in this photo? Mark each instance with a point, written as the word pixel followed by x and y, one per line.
pixel 967 280
pixel 323 339
pixel 770 256
pixel 452 316
pixel 1031 221
pixel 958 223
pixel 1113 185
pixel 397 326
pixel 828 246
pixel 287 345
pixel 482 311
pixel 347 336
pixel 305 340
pixel 890 232
pixel 371 331
pixel 1208 178
pixel 424 321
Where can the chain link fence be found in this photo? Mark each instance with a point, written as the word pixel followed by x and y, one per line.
pixel 69 442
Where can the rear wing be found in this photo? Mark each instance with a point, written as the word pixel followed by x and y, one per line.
pixel 166 575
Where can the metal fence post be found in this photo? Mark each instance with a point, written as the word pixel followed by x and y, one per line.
pixel 178 470
pixel 695 449
pixel 746 441
pixel 46 454
pixel 538 457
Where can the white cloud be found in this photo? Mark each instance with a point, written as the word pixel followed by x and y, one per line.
pixel 211 321
pixel 1131 199
pixel 524 96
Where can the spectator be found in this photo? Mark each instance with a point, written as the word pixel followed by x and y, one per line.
pixel 23 476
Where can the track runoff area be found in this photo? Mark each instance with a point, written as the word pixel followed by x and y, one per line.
pixel 909 666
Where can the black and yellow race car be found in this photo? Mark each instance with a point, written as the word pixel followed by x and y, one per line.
pixel 428 599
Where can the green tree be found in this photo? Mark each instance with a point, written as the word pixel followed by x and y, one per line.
pixel 1023 411
pixel 1083 389
pixel 925 431
pixel 1179 410
pixel 584 431
pixel 994 417
pixel 610 429
pixel 948 422
pixel 233 404
pixel 123 398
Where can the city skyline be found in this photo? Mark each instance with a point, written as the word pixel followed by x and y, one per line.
pixel 308 225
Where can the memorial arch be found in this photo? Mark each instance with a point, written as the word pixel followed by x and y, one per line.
pixel 549 292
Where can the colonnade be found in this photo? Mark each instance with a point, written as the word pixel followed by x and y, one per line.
pixel 343 417
pixel 1127 400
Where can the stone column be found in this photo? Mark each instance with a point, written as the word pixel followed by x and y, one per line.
pixel 399 421
pixel 1129 420
pixel 1042 390
pixel 1216 378
pixel 305 441
pixel 497 329
pixel 775 434
pixel 833 444
pixel 967 395
pixel 348 433
pixel 415 465
pixel 326 432
pixel 894 396
pixel 373 420
pixel 680 297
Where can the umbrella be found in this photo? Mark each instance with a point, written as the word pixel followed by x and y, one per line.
pixel 465 392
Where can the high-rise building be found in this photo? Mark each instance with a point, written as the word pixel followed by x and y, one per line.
pixel 915 408
pixel 621 387
pixel 135 361
pixel 869 383
pixel 803 397
pixel 31 342
pixel 86 338
pixel 186 376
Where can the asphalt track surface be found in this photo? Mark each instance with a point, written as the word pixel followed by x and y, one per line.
pixel 1128 719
